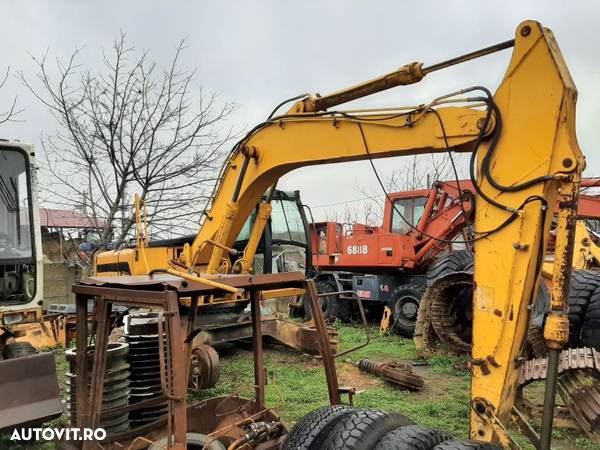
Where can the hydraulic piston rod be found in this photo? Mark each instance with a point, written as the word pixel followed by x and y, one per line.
pixel 405 75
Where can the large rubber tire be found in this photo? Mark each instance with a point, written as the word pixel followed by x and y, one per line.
pixel 590 331
pixel 412 437
pixel 363 429
pixel 18 350
pixel 195 441
pixel 333 307
pixel 583 285
pixel 458 261
pixel 310 432
pixel 466 445
pixel 405 306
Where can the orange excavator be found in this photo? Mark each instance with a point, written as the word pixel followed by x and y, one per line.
pixel 387 265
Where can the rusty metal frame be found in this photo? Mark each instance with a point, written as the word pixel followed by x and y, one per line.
pixel 333 387
pixel 294 335
pixel 88 413
pixel 162 292
pixel 363 317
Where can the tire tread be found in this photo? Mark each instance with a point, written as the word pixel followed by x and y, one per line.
pixel 412 437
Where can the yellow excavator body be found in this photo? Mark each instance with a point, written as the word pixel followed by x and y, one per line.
pixel 527 157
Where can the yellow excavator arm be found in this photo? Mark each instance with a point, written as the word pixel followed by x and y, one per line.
pixel 527 158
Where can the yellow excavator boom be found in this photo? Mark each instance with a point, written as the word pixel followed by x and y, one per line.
pixel 527 158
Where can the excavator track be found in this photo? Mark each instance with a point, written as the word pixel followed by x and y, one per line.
pixel 536 341
pixel 425 338
pixel 578 386
pixel 583 401
pixel 445 313
pixel 571 359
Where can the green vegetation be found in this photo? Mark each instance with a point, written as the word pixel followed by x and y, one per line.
pixel 296 386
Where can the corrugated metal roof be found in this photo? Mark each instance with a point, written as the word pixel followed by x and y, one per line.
pixel 59 218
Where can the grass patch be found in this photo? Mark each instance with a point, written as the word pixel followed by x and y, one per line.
pixel 296 386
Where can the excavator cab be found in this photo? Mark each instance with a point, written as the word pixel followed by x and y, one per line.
pixel 284 246
pixel 28 381
pixel 406 211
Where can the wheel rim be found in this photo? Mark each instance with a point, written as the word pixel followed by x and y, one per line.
pixel 406 310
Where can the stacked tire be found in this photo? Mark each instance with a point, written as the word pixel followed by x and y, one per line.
pixel 348 428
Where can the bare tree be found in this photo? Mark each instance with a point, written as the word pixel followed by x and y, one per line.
pixel 129 127
pixel 363 213
pixel 10 114
pixel 418 172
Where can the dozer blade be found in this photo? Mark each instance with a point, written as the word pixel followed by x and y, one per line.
pixel 28 391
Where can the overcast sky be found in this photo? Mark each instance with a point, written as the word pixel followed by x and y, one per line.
pixel 256 53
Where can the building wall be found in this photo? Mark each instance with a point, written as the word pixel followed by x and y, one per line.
pixel 58 279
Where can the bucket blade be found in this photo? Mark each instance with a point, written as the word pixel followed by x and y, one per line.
pixel 28 391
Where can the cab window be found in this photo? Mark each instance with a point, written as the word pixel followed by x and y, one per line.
pixel 409 208
pixel 286 222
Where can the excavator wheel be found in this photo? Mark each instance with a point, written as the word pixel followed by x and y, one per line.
pixel 412 437
pixel 450 292
pixel 584 308
pixel 333 307
pixel 458 261
pixel 449 309
pixel 405 307
pixel 590 332
pixel 535 341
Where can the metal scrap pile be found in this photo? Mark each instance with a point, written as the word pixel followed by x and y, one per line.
pixel 578 386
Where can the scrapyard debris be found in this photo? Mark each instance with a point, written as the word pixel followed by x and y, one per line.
pixel 398 374
pixel 578 386
pixel 205 367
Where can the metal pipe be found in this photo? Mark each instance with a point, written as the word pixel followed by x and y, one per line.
pixel 556 328
pixel 405 75
pixel 257 348
pixel 549 399
pixel 326 354
pixel 240 180
pixel 206 281
pixel 427 211
pixel 271 192
pixel 468 56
